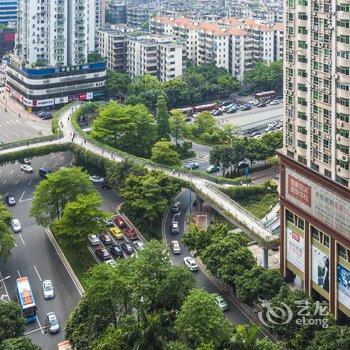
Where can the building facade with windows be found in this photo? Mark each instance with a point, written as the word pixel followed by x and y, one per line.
pixel 314 194
pixel 49 65
pixel 8 11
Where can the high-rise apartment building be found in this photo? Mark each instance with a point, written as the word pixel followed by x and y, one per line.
pixel 50 64
pixel 314 194
pixel 8 11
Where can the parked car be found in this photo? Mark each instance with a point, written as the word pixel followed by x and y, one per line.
pixel 97 179
pixel 175 208
pixel 221 303
pixel 233 109
pixel 275 102
pixel 139 245
pixel 16 226
pixel 27 168
pixel 191 166
pixel 102 253
pixel 52 323
pixel 109 222
pixel 48 289
pixel 119 221
pixel 106 238
pixel 94 240
pixel 10 200
pixel 43 172
pixel 212 169
pixel 105 185
pixel 175 246
pixel 111 263
pixel 227 107
pixel 116 251
pixel 130 233
pixel 127 248
pixel 262 104
pixel 226 103
pixel 217 112
pixel 117 232
pixel 190 263
pixel 174 227
pixel 46 116
pixel 246 107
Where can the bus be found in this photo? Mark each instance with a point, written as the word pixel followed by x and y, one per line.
pixel 26 299
pixel 265 94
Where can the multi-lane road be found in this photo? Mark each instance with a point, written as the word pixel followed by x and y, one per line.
pixel 236 315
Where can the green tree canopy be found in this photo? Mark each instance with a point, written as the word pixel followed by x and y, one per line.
pixel 177 93
pixel 177 124
pixel 11 321
pixel 162 118
pixel 116 83
pixel 21 343
pixel 333 337
pixel 52 195
pixel 200 321
pixel 7 241
pixel 164 153
pixel 121 125
pixel 258 283
pixel 80 218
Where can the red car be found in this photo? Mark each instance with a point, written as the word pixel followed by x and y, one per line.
pixel 106 238
pixel 131 233
pixel 119 221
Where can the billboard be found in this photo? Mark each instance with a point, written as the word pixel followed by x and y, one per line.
pixel 318 201
pixel 295 249
pixel 343 278
pixel 320 268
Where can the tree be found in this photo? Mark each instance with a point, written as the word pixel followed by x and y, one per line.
pixel 274 162
pixel 164 153
pixel 118 172
pixel 258 284
pixel 177 125
pixel 80 218
pixel 120 125
pixel 330 338
pixel 177 93
pixel 11 321
pixel 7 241
pixel 148 196
pixel 94 57
pixel 162 118
pixel 21 343
pixel 200 321
pixel 52 195
pixel 116 83
pixel 204 123
pixel 221 157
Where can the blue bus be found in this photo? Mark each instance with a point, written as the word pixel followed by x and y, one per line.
pixel 26 299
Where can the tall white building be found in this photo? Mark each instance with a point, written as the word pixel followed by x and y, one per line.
pixel 50 64
pixel 55 33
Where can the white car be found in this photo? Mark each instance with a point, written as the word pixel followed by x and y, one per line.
pixel 94 240
pixel 52 323
pixel 27 168
pixel 175 246
pixel 97 179
pixel 48 289
pixel 139 245
pixel 16 226
pixel 111 263
pixel 191 263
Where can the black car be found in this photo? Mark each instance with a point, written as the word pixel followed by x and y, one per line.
pixel 246 107
pixel 175 208
pixel 116 251
pixel 106 186
pixel 10 200
pixel 127 248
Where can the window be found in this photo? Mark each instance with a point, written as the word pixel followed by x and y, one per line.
pixel 343 133
pixel 343 54
pixel 343 117
pixel 343 7
pixel 302 59
pixel 343 101
pixel 302 101
pixel 302 130
pixel 302 44
pixel 302 2
pixel 342 252
pixel 302 30
pixel 343 70
pixel 302 115
pixel 315 233
pixel 302 73
pixel 302 15
pixel 302 87
pixel 343 39
pixel 302 144
pixel 345 23
pixel 290 216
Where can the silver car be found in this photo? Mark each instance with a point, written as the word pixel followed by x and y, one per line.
pixel 48 289
pixel 52 323
pixel 16 226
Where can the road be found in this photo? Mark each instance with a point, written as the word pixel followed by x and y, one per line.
pixel 235 315
pixel 255 118
pixel 15 128
pixel 34 256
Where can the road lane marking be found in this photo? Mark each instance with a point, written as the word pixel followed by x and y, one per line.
pixel 16 134
pixel 26 133
pixel 33 331
pixel 19 275
pixel 37 272
pixel 17 181
pixel 22 196
pixel 25 200
pixel 94 255
pixel 30 182
pixel 4 182
pixel 41 328
pixel 6 291
pixel 54 165
pixel 12 171
pixel 44 164
pixel 20 236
